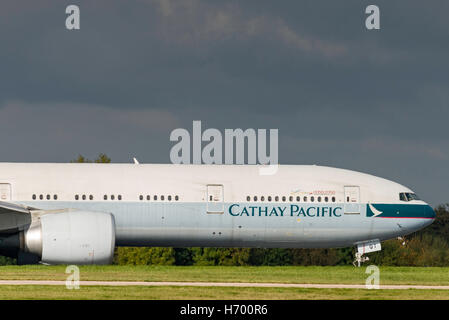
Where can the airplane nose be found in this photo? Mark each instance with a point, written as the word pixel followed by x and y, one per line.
pixel 425 216
pixel 429 213
pixel 429 216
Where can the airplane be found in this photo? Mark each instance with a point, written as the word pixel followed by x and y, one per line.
pixel 76 213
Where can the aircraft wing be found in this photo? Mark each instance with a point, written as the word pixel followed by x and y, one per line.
pixel 6 207
pixel 13 217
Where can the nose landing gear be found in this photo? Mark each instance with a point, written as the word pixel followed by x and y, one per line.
pixel 365 247
pixel 359 259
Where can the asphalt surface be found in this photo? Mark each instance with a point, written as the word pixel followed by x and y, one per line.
pixel 215 284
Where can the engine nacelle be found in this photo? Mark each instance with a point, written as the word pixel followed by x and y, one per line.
pixel 73 237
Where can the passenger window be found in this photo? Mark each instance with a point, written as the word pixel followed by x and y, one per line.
pixel 112 197
pixel 55 197
pixel 77 197
pixel 155 197
pixel 262 198
pixel 84 197
pixel 333 199
pixel 269 198
pixel 290 198
pixel 91 197
pixel 34 197
pixel 298 198
pixel 284 198
pixel 305 199
pixel 162 198
pixel 105 197
pixel 255 198
pixel 119 197
pixel 148 198
pixel 169 198
pixel 319 199
pixel 312 199
pixel 276 198
pixel 248 198
pixel 176 198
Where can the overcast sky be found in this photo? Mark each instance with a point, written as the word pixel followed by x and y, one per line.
pixel 374 101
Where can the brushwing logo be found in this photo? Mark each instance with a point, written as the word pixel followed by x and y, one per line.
pixel 372 212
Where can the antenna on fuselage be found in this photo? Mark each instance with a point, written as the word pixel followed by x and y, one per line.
pixel 136 161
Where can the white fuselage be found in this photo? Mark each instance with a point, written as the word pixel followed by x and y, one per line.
pixel 222 205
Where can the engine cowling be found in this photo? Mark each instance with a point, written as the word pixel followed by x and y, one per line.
pixel 74 237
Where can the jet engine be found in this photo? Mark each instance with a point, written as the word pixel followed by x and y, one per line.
pixel 72 237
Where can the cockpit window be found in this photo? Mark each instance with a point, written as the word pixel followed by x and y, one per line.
pixel 412 196
pixel 408 196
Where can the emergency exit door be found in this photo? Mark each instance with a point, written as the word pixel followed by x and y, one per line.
pixel 5 192
pixel 215 198
pixel 352 200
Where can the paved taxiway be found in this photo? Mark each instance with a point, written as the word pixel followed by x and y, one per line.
pixel 215 284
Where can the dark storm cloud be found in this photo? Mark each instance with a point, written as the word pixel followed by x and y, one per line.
pixel 150 48
pixel 375 101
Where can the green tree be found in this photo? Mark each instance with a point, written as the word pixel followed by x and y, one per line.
pixel 7 261
pixel 145 256
pixel 221 256
pixel 271 257
pixel 316 257
pixel 102 158
pixel 183 256
pixel 422 250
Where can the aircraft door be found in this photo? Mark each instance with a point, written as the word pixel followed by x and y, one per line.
pixel 5 192
pixel 215 198
pixel 352 200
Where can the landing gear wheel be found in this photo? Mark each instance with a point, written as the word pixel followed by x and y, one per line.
pixel 359 259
